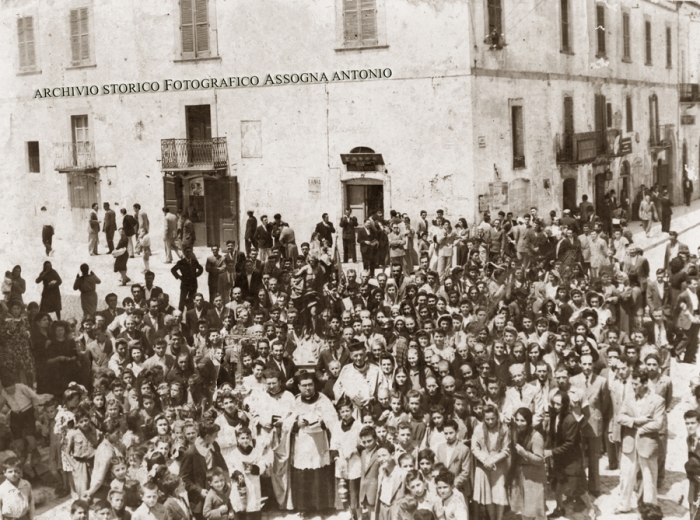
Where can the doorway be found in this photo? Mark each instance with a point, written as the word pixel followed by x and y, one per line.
pixel 199 143
pixel 662 176
pixel 570 199
pixel 599 192
pixel 210 202
pixel 364 200
pixel 624 198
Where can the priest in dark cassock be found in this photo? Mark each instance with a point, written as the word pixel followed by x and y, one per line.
pixel 307 429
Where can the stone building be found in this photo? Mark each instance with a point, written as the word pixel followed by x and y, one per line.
pixel 216 107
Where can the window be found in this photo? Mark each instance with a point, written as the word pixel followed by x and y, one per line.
pixel 647 42
pixel 565 28
pixel 495 20
pixel 516 118
pixel 25 38
pixel 33 157
pixel 600 29
pixel 568 127
pixel 194 29
pixel 654 130
pixel 360 22
pixel 600 125
pixel 608 115
pixel 669 49
pixel 626 53
pixel 628 113
pixel 79 37
pixel 81 141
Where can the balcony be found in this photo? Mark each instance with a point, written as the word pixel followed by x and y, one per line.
pixel 74 157
pixel 194 154
pixel 658 140
pixel 689 92
pixel 578 148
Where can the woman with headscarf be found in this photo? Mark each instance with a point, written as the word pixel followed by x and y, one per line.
pixel 121 256
pixel 61 359
pixel 19 286
pixel 528 473
pixel 15 349
pixel 86 282
pixel 491 450
pixel 51 294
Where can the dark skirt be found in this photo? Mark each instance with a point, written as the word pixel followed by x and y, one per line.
pixel 120 262
pixel 313 489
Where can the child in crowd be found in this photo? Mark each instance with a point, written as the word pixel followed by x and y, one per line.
pixel 16 497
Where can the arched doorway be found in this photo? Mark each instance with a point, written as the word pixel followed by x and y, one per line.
pixel 569 195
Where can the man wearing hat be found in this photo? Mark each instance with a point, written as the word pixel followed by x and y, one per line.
pixel 359 381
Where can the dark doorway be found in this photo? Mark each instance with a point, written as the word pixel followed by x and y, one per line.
pixel 364 200
pixel 570 195
pixel 662 176
pixel 624 198
pixel 199 143
pixel 599 192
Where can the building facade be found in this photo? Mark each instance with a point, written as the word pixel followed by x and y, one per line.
pixel 217 107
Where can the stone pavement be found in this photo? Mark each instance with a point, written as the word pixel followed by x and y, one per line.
pixel 28 252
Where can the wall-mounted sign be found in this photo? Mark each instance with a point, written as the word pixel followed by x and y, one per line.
pixel 687 120
pixel 482 141
pixel 315 185
pixel 625 145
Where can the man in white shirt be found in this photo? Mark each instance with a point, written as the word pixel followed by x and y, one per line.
pixel 160 357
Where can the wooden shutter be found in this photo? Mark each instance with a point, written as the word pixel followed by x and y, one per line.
pixel 494 10
pixel 626 35
pixel 79 36
pixel 628 113
pixel 565 25
pixel 600 29
pixel 568 126
pixel 187 26
pixel 647 41
pixel 351 20
pixel 25 38
pixel 201 18
pixel 669 53
pixel 368 21
pixel 518 144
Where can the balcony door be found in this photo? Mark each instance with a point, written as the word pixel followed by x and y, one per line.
pixel 81 141
pixel 199 144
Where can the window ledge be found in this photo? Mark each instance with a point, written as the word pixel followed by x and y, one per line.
pixel 568 53
pixel 626 60
pixel 190 60
pixel 361 48
pixel 602 56
pixel 87 66
pixel 28 72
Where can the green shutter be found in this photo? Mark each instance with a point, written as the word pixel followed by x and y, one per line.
pixel 187 26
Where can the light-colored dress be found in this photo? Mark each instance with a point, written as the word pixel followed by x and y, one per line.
pixel 489 447
pixel 527 493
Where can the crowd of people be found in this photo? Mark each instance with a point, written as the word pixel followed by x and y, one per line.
pixel 463 371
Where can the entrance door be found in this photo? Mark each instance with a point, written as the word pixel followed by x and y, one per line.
pixel 199 146
pixel 212 210
pixel 663 176
pixel 599 192
pixel 569 201
pixel 364 200
pixel 228 188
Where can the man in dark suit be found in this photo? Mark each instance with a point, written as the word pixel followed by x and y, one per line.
pixel 153 319
pixel 263 238
pixel 666 212
pixel 687 190
pixel 112 311
pixel 109 226
pixel 658 293
pixel 187 270
pixel 250 226
pixel 348 223
pixel 688 324
pixel 367 237
pixel 215 266
pixel 673 248
pixel 249 281
pixel 218 313
pixel 284 365
pixel 150 291
pixel 199 311
pixel 369 462
pixel 325 230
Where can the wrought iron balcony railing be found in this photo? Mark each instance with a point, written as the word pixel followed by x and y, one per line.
pixel 194 154
pixel 74 156
pixel 689 92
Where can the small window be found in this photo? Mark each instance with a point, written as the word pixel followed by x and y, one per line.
pixel 194 29
pixel 647 42
pixel 600 30
pixel 626 53
pixel 33 157
pixel 80 37
pixel 518 136
pixel 25 38
pixel 628 113
pixel 360 22
pixel 495 20
pixel 565 27
pixel 669 49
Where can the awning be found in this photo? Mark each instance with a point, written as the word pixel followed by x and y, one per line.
pixel 362 158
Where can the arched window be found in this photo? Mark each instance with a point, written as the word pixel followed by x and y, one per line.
pixel 361 149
